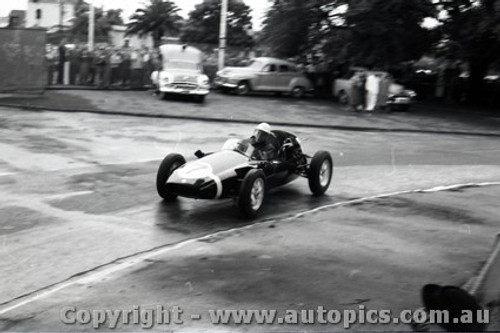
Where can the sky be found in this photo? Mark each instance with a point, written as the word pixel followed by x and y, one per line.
pixel 129 6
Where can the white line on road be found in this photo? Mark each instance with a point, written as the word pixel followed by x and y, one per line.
pixel 104 270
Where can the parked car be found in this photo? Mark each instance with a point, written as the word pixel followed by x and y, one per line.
pixel 265 75
pixel 398 97
pixel 181 73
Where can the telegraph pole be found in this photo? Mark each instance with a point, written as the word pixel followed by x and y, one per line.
pixel 61 14
pixel 223 33
pixel 91 27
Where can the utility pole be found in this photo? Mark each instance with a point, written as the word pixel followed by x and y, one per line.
pixel 61 14
pixel 91 26
pixel 223 32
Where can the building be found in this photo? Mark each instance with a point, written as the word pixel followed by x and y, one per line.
pixel 17 19
pixel 117 38
pixel 52 15
pixel 4 21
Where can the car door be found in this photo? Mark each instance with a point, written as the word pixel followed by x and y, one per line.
pixel 266 78
pixel 284 77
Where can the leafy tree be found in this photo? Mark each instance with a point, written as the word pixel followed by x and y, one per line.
pixel 472 32
pixel 104 20
pixel 292 27
pixel 203 25
pixel 387 32
pixel 158 18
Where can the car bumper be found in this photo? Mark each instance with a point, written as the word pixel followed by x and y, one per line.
pixel 221 82
pixel 226 85
pixel 184 90
pixel 399 101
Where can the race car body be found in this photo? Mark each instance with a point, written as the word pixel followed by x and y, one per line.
pixel 235 172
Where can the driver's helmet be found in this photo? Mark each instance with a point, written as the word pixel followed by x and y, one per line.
pixel 262 132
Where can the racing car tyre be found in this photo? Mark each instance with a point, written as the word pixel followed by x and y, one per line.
pixel 320 172
pixel 169 164
pixel 252 192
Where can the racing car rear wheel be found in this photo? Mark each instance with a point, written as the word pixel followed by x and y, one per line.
pixel 169 164
pixel 320 172
pixel 252 192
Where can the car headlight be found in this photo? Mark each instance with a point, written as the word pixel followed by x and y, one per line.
pixel 411 93
pixel 166 78
pixel 203 80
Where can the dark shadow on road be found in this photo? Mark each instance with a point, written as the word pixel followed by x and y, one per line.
pixel 189 216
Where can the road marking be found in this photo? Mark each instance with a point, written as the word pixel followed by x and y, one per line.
pixel 3 174
pixel 99 272
pixel 68 195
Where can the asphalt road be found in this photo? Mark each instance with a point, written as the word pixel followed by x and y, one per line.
pixel 77 192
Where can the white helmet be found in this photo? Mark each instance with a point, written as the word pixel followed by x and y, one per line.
pixel 261 132
pixel 264 127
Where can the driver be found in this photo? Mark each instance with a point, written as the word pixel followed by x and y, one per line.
pixel 265 142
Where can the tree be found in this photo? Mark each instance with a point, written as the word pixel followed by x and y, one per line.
pixel 364 32
pixel 104 21
pixel 382 33
pixel 472 33
pixel 203 25
pixel 159 18
pixel 292 27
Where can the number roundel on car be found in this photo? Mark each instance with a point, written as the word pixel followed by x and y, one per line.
pixel 195 171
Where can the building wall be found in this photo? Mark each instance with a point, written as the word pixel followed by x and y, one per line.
pixel 22 67
pixel 50 13
pixel 117 38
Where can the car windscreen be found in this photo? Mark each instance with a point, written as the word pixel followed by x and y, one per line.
pixel 255 64
pixel 177 64
pixel 241 146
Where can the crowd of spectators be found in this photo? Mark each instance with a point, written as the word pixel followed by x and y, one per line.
pixel 105 67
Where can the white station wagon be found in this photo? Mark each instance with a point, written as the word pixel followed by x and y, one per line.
pixel 181 73
pixel 266 75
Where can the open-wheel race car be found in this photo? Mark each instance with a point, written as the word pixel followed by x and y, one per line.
pixel 239 172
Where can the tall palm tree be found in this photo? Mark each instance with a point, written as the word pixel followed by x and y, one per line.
pixel 158 18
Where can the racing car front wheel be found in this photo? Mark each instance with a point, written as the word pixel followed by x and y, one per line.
pixel 320 172
pixel 169 164
pixel 252 192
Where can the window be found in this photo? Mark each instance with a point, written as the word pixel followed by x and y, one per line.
pixel 270 68
pixel 38 14
pixel 284 68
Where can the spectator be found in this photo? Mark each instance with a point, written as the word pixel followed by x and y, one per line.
pixel 357 94
pixel 125 66
pixel 147 61
pixel 85 60
pixel 372 87
pixel 100 62
pixel 74 65
pixel 383 93
pixel 61 61
pixel 115 62
pixel 51 61
pixel 137 67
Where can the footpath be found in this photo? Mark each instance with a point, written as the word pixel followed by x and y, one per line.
pixel 282 111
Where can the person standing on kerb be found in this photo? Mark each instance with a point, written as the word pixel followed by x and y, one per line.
pixel 372 89
pixel 357 93
pixel 62 60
